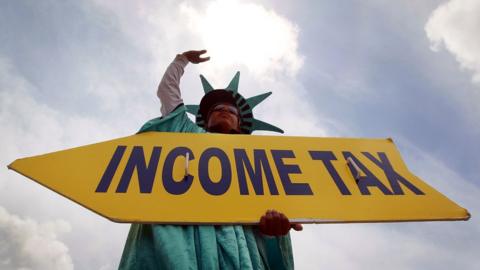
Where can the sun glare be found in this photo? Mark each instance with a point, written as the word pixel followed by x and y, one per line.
pixel 239 33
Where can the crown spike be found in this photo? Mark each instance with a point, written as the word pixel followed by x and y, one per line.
pixel 249 123
pixel 233 85
pixel 254 101
pixel 260 125
pixel 193 109
pixel 206 85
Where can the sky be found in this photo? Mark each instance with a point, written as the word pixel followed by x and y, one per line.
pixel 78 72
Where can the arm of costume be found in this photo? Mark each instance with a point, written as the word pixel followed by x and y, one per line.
pixel 169 88
pixel 174 114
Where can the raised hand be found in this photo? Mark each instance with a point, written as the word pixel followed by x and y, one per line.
pixel 274 223
pixel 194 56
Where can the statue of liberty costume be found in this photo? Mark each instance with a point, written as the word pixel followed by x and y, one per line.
pixel 151 246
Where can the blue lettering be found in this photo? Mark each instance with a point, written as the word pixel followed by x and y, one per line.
pixel 393 177
pixel 369 180
pixel 208 185
pixel 326 157
pixel 261 162
pixel 145 174
pixel 172 186
pixel 111 169
pixel 285 169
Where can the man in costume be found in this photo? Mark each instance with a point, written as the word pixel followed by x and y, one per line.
pixel 266 246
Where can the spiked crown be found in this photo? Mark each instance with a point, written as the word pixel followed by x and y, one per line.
pixel 230 94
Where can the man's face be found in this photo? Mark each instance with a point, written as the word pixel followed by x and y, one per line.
pixel 223 118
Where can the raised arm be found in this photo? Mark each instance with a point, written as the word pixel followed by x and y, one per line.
pixel 169 87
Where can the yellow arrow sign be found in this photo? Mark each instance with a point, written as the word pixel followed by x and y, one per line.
pixel 214 178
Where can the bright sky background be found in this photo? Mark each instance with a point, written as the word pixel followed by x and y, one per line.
pixel 77 72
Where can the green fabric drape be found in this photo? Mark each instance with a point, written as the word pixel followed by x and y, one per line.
pixel 152 246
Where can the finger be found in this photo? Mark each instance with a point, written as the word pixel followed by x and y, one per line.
pixel 203 59
pixel 276 223
pixel 200 52
pixel 285 224
pixel 275 213
pixel 262 224
pixel 269 223
pixel 297 227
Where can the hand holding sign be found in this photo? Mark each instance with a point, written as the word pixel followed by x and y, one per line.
pixel 274 223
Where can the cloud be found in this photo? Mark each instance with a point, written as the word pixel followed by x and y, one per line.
pixel 27 244
pixel 248 34
pixel 454 26
pixel 264 48
pixel 29 127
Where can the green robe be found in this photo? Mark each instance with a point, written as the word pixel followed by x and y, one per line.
pixel 151 246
